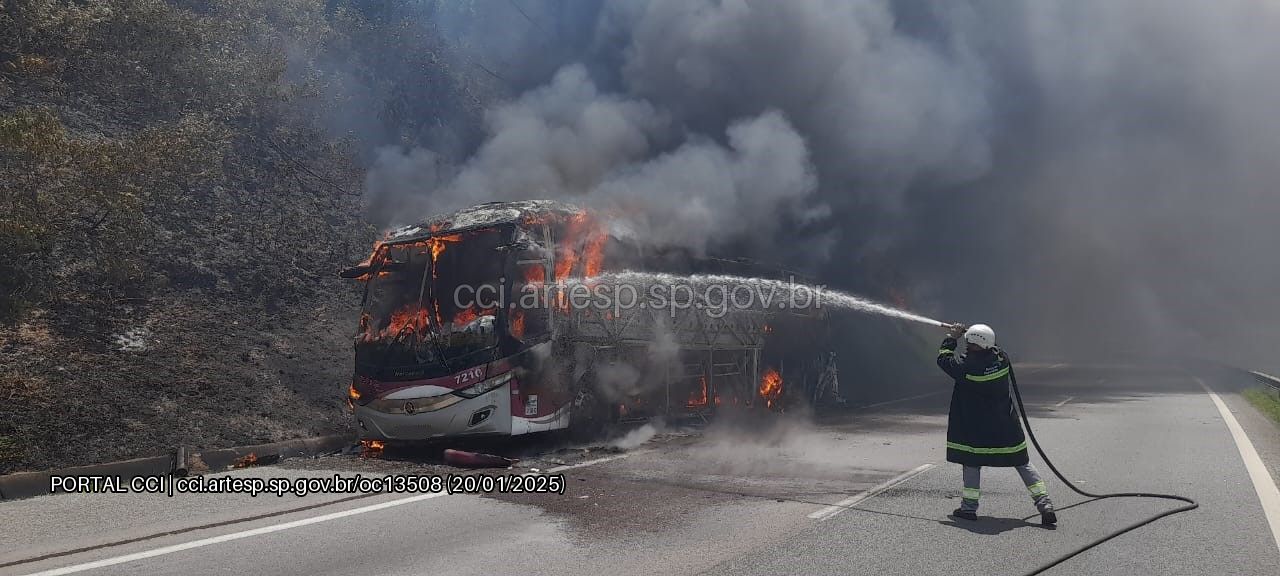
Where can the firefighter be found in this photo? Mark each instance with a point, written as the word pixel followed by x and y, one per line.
pixel 982 426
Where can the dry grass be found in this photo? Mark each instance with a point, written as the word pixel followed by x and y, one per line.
pixel 211 376
pixel 10 449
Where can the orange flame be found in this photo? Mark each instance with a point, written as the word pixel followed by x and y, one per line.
pixel 373 260
pixel 770 386
pixel 698 397
pixel 470 313
pixel 411 318
pixel 414 319
pixel 535 274
pixel 438 244
pixel 568 257
pixel 595 255
pixel 584 242
pixel 371 448
pixel 517 323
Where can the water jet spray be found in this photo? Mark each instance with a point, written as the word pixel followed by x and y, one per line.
pixel 780 291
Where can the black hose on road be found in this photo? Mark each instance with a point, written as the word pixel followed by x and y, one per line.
pixel 1190 504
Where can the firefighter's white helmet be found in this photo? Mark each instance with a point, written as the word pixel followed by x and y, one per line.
pixel 980 335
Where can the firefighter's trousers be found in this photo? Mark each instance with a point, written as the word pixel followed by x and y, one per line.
pixel 1030 479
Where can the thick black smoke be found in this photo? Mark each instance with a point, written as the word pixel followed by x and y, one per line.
pixel 1094 178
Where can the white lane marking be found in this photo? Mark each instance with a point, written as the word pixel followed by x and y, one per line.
pixel 847 503
pixel 587 463
pixel 1062 403
pixel 1263 484
pixel 236 535
pixel 916 397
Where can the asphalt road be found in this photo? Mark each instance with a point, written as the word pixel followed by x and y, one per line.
pixel 862 493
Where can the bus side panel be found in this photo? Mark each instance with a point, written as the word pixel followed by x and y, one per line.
pixel 540 396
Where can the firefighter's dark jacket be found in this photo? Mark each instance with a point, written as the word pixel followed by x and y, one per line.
pixel 982 428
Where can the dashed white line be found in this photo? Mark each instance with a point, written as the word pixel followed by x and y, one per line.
pixel 1263 483
pixel 830 511
pixel 236 535
pixel 1062 403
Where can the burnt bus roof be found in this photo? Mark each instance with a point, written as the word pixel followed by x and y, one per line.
pixel 483 216
pixel 671 260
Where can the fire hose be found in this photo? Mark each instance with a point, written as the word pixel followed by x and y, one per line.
pixel 1190 504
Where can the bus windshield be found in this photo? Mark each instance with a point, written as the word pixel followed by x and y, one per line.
pixel 420 307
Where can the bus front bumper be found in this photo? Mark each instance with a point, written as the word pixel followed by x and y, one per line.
pixel 487 414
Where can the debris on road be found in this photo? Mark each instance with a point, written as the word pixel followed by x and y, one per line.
pixel 463 459
pixel 252 459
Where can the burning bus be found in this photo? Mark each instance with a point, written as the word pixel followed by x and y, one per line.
pixel 435 360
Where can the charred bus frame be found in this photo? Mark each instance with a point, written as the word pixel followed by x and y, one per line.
pixel 553 366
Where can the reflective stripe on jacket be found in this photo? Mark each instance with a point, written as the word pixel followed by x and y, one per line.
pixel 982 426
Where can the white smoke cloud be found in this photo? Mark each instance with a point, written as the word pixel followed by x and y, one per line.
pixel 635 438
pixel 881 108
pixel 568 140
pixel 560 140
pixel 702 190
pixel 617 381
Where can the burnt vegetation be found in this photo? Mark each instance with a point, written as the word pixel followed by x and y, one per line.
pixel 180 185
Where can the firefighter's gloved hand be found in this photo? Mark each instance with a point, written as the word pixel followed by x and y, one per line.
pixel 956 330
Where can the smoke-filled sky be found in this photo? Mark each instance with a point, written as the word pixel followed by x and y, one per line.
pixel 1089 176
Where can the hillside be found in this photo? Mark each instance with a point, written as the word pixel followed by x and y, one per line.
pixel 179 192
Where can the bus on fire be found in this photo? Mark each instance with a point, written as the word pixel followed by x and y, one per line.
pixel 435 359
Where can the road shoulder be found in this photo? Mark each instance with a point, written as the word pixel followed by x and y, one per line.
pixel 1263 433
